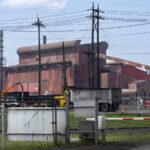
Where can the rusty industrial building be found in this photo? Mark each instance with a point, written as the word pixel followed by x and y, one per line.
pixel 112 75
pixel 52 77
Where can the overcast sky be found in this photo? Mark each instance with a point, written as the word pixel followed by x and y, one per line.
pixel 125 27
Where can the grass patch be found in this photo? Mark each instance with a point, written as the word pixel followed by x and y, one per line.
pixel 27 145
pixel 22 145
pixel 118 136
pixel 127 123
pixel 126 137
pixel 74 121
pixel 127 115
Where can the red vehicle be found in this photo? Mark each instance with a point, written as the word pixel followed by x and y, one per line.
pixel 147 104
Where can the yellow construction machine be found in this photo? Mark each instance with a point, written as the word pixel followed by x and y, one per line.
pixel 62 99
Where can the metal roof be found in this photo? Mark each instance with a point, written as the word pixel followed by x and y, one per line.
pixel 48 46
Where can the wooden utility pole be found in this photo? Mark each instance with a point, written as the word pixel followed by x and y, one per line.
pixel 91 53
pixel 64 65
pixel 1 61
pixel 39 25
pixel 98 51
pixel 95 26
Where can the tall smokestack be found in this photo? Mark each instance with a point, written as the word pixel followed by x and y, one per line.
pixel 44 39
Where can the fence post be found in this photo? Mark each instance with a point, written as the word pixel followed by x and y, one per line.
pixel 3 125
pixel 56 138
pixel 67 118
pixel 96 121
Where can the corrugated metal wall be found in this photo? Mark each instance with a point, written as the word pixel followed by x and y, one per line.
pixel 77 75
pixel 49 57
pixel 52 80
pixel 115 80
pixel 134 72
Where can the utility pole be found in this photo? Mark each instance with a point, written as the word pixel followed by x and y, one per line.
pixel 91 53
pixel 64 65
pixel 98 59
pixel 1 61
pixel 39 24
pixel 95 26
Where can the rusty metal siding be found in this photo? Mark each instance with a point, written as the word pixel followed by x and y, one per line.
pixel 44 75
pixel 69 74
pixel 81 72
pixel 84 49
pixel 132 86
pixel 83 55
pixel 134 73
pixel 52 79
pixel 80 75
pixel 104 80
pixel 50 57
pixel 77 75
pixel 27 59
pixel 55 80
pixel 112 80
pixel 10 80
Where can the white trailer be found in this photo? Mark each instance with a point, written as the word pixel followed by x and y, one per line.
pixel 109 99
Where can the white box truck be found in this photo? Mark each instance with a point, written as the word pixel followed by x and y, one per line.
pixel 109 99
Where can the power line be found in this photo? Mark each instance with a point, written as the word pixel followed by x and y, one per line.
pixel 55 24
pixel 79 30
pixel 126 19
pixel 127 26
pixel 50 20
pixel 58 22
pixel 146 13
pixel 62 14
pixel 72 21
pixel 48 16
pixel 142 53
pixel 131 34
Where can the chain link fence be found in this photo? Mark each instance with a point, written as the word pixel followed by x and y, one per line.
pixel 91 125
pixel 43 120
pixel 96 120
pixel 32 121
pixel 80 128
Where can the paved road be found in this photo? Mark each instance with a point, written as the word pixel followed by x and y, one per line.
pixel 141 147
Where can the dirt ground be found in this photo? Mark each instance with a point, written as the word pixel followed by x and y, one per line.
pixel 108 146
